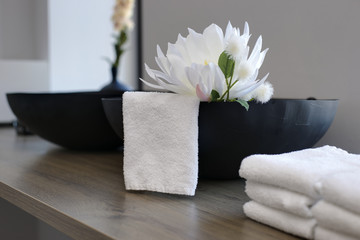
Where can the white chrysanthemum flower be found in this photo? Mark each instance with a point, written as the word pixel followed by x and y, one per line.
pixel 263 93
pixel 190 65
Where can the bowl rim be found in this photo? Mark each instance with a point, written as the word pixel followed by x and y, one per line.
pixel 112 99
pixel 74 93
pixel 120 92
pixel 273 99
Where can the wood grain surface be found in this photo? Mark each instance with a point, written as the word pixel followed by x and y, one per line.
pixel 82 194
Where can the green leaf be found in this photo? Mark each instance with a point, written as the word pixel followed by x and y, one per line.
pixel 226 64
pixel 243 103
pixel 214 95
pixel 122 37
pixel 107 59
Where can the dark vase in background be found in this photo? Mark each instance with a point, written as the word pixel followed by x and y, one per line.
pixel 115 85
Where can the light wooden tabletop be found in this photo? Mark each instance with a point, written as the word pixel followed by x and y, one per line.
pixel 82 194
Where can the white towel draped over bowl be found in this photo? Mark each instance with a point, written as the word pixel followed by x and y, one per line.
pixel 160 142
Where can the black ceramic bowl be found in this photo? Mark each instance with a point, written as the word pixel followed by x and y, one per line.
pixel 228 133
pixel 72 120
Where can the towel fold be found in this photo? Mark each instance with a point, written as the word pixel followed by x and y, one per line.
pixel 280 198
pixel 299 170
pixel 337 219
pixel 287 222
pixel 343 189
pixel 327 234
pixel 160 142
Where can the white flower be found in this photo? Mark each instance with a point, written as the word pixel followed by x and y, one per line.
pixel 263 93
pixel 236 47
pixel 206 78
pixel 243 88
pixel 190 65
pixel 245 70
pixel 177 66
pixel 123 11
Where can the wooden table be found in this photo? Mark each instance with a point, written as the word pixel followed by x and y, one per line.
pixel 82 194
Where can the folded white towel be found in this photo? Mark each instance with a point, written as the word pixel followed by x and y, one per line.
pixel 287 222
pixel 160 142
pixel 280 198
pixel 337 219
pixel 343 189
pixel 297 171
pixel 327 234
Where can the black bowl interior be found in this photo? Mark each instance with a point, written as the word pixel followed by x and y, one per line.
pixel 72 120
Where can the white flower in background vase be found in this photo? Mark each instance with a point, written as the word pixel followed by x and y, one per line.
pixel 122 23
pixel 213 66
pixel 123 12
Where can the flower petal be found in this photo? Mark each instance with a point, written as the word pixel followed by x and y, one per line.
pixel 251 87
pixel 246 29
pixel 229 31
pixel 219 79
pixel 256 51
pixel 261 58
pixel 151 85
pixel 196 47
pixel 201 95
pixel 214 40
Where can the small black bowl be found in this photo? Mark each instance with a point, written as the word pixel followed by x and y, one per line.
pixel 72 120
pixel 228 133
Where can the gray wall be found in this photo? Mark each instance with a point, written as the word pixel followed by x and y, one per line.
pixel 313 47
pixel 22 29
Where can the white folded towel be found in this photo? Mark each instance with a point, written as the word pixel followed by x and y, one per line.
pixel 343 189
pixel 327 234
pixel 160 142
pixel 299 170
pixel 336 218
pixel 280 198
pixel 287 222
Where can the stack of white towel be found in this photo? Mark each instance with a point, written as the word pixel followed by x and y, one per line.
pixel 338 214
pixel 283 188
